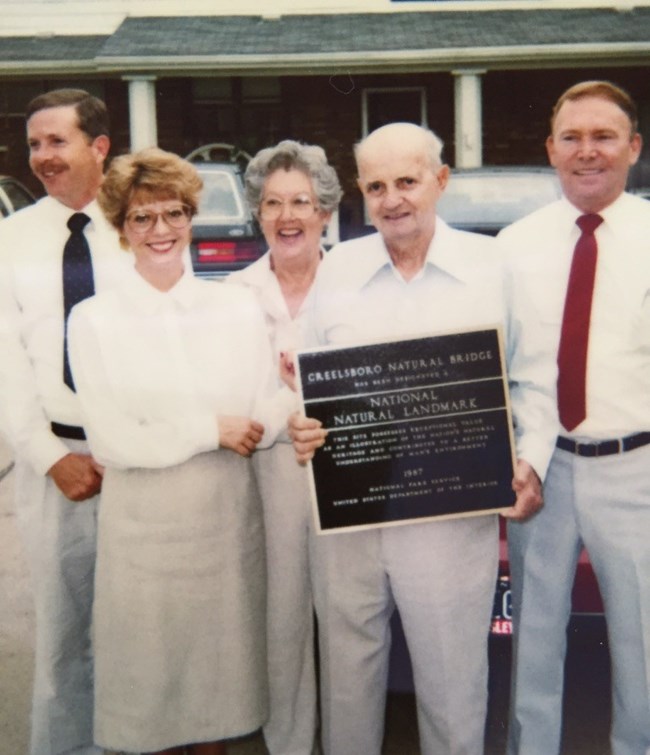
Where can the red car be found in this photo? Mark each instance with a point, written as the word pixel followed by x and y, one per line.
pixel 225 234
pixel 587 602
pixel 587 608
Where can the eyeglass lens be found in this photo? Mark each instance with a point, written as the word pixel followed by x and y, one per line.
pixel 300 207
pixel 142 221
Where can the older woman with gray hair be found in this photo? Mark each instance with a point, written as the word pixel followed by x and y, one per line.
pixel 293 192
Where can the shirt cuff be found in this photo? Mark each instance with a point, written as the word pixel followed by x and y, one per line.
pixel 203 429
pixel 43 450
pixel 537 454
pixel 285 402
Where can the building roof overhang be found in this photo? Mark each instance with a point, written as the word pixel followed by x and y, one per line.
pixel 342 43
pixel 48 54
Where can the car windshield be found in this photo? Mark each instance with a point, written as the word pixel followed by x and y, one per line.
pixel 494 199
pixel 220 199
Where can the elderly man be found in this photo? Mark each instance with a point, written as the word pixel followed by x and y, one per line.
pixel 587 258
pixel 51 254
pixel 416 276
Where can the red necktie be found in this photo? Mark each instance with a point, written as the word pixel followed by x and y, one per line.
pixel 574 340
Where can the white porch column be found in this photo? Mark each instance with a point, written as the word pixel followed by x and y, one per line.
pixel 142 111
pixel 468 118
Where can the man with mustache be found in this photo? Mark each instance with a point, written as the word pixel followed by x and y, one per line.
pixel 589 248
pixel 57 480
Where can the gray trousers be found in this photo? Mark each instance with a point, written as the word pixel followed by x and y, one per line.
pixel 603 503
pixel 290 729
pixel 60 540
pixel 441 576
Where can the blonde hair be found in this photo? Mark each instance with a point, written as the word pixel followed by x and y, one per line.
pixel 150 173
pixel 604 90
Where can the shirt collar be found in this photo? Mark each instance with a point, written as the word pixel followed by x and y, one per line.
pixel 615 215
pixel 369 263
pixel 442 253
pixel 92 209
pixel 94 212
pixel 260 277
pixel 446 252
pixel 184 294
pixel 259 274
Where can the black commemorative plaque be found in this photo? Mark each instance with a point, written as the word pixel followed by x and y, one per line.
pixel 418 429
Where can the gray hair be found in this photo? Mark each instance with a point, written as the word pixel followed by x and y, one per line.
pixel 432 143
pixel 291 155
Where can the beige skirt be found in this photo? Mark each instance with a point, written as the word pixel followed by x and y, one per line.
pixel 179 615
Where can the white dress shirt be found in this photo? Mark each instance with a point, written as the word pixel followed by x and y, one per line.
pixel 541 248
pixel 32 391
pixel 286 333
pixel 154 370
pixel 362 297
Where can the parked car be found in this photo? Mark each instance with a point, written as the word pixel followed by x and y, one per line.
pixel 586 607
pixel 641 191
pixel 487 199
pixel 225 234
pixel 13 196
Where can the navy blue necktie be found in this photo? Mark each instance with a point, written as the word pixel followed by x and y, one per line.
pixel 78 282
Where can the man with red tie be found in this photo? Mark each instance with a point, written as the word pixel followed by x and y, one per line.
pixel 587 263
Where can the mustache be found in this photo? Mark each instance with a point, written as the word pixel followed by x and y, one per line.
pixel 49 165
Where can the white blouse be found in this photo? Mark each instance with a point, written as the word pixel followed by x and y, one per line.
pixel 154 370
pixel 286 333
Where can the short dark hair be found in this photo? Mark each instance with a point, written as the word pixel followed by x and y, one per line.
pixel 606 91
pixel 91 111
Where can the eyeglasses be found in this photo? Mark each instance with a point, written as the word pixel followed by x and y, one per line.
pixel 142 221
pixel 300 206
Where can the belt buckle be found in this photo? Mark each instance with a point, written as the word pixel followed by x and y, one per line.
pixel 604 447
pixel 590 449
